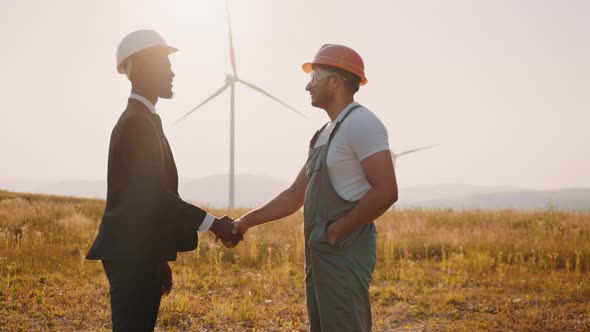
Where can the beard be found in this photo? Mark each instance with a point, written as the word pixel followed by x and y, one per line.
pixel 166 93
pixel 169 95
pixel 319 101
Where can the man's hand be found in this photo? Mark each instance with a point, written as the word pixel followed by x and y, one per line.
pixel 222 228
pixel 241 226
pixel 166 276
pixel 332 234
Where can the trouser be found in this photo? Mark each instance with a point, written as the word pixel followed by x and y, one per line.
pixel 135 289
pixel 337 281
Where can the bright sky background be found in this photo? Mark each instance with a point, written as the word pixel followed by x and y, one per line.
pixel 501 85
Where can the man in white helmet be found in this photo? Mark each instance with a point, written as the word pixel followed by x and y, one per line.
pixel 347 182
pixel 145 222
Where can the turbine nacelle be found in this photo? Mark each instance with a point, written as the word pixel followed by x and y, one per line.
pixel 231 79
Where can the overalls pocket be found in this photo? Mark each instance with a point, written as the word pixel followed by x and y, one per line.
pixel 313 165
pixel 319 239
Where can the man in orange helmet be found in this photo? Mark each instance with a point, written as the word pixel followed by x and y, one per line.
pixel 343 190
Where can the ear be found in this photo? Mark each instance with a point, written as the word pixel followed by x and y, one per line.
pixel 128 68
pixel 335 81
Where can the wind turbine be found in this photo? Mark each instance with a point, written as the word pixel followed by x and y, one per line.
pixel 394 156
pixel 230 81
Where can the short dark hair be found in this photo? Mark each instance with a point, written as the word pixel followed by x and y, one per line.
pixel 352 81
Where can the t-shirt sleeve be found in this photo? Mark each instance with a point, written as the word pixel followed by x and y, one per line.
pixel 366 134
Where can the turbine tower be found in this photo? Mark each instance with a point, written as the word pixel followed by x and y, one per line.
pixel 394 156
pixel 230 81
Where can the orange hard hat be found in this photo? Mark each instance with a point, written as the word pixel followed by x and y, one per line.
pixel 338 56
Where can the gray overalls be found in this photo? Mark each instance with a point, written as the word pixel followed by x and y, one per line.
pixel 337 276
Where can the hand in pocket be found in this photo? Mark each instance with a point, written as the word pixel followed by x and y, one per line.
pixel 331 235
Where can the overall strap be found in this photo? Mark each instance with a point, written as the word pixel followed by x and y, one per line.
pixel 315 137
pixel 317 133
pixel 339 122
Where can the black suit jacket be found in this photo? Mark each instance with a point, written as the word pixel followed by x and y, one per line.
pixel 144 218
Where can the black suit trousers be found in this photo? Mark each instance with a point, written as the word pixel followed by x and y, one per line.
pixel 136 290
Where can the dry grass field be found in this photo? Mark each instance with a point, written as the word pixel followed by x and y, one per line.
pixel 437 270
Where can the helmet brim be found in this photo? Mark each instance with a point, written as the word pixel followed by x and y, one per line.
pixel 308 66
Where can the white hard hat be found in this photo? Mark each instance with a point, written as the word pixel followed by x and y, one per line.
pixel 137 41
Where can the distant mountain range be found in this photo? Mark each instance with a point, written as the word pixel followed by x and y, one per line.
pixel 254 189
pixel 489 197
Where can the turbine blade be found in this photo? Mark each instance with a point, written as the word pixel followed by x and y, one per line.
pixel 217 93
pixel 414 150
pixel 232 56
pixel 272 97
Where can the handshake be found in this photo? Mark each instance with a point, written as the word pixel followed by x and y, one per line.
pixel 222 228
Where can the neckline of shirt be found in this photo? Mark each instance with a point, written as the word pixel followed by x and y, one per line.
pixel 344 111
pixel 331 125
pixel 144 101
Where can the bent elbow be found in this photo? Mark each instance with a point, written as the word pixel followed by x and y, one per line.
pixel 393 196
pixel 296 197
pixel 392 199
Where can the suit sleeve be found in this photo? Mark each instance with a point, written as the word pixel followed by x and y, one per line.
pixel 143 156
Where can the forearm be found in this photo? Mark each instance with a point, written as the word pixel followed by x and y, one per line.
pixel 160 203
pixel 285 204
pixel 375 202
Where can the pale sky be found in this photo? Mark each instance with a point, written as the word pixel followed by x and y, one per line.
pixel 501 85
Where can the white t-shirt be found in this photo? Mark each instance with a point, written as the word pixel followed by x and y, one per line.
pixel 359 136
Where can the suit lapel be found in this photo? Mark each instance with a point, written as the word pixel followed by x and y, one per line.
pixel 170 169
pixel 169 157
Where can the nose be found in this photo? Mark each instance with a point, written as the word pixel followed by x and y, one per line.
pixel 308 86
